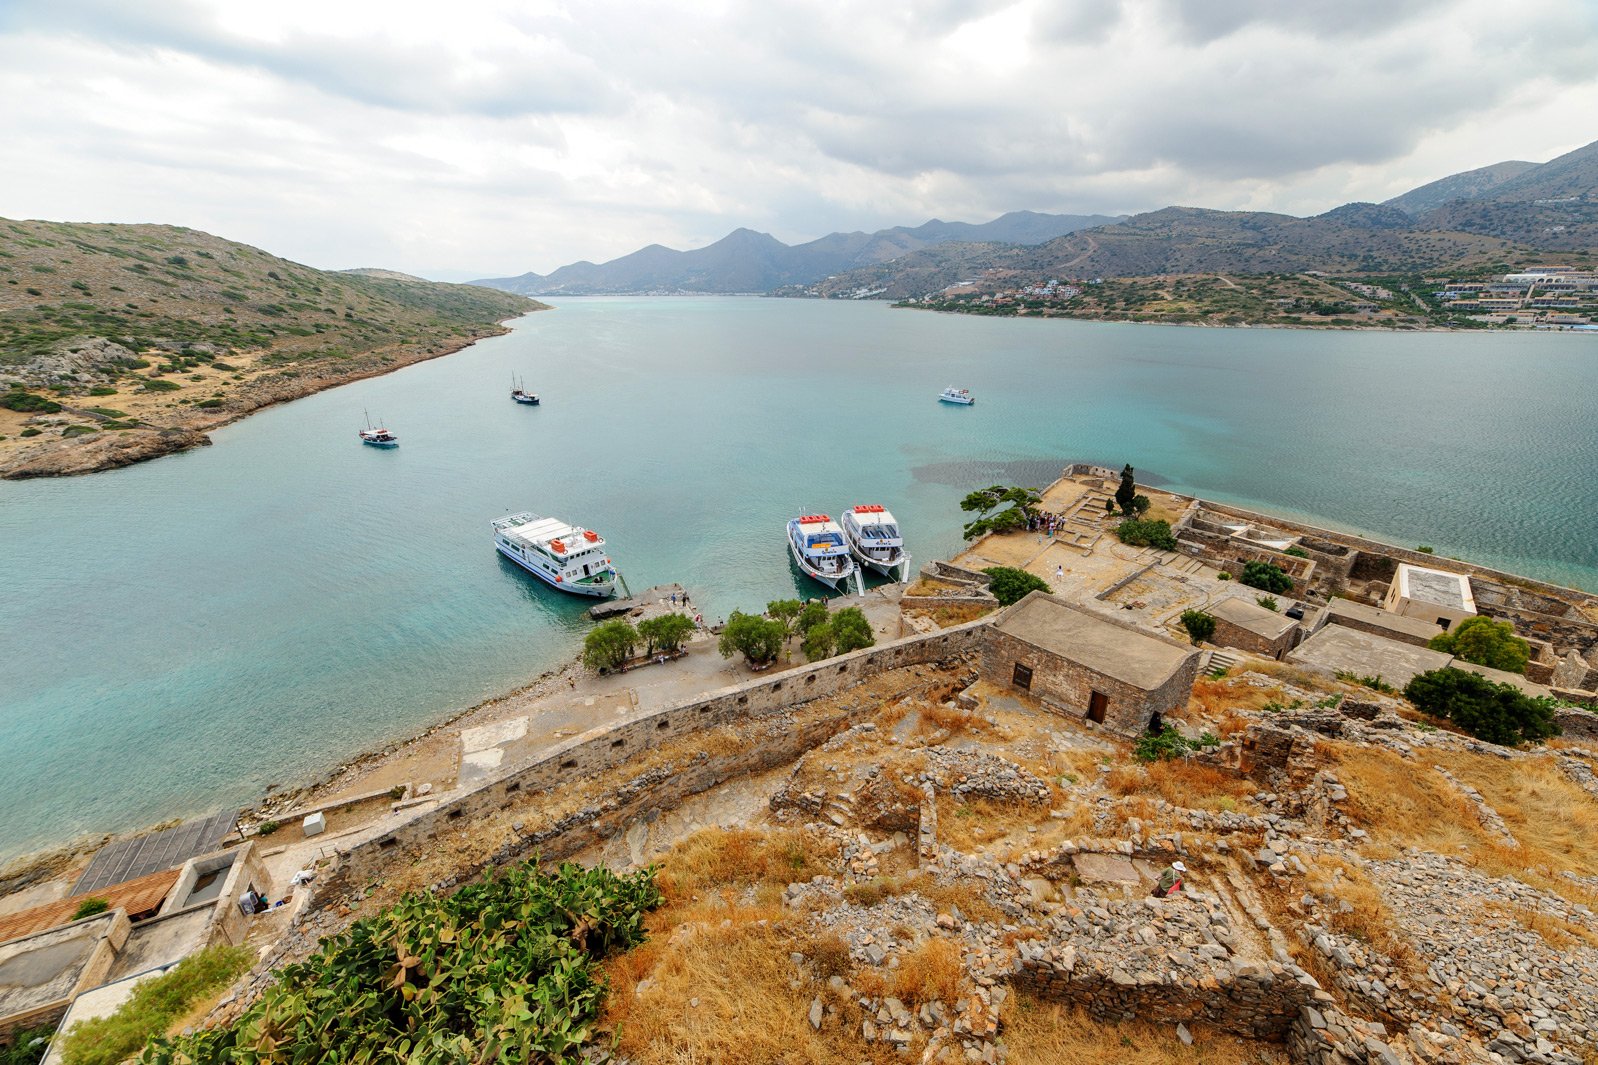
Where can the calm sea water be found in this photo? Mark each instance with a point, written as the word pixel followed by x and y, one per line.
pixel 178 635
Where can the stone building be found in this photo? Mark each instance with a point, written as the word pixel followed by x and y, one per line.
pixel 1086 665
pixel 1250 627
pixel 1378 622
pixel 1430 595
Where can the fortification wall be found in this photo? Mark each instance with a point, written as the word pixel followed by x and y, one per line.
pixel 744 706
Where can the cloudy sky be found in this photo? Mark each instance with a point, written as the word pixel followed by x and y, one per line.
pixel 477 137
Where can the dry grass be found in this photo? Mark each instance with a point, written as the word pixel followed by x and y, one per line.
pixel 933 586
pixel 975 825
pixel 1401 806
pixel 1182 783
pixel 716 858
pixel 1557 932
pixel 1367 917
pixel 929 972
pixel 954 614
pixel 1297 676
pixel 958 721
pixel 1036 1030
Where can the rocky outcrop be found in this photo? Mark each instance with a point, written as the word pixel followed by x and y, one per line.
pixel 100 451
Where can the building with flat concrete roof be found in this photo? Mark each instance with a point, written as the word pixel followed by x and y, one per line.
pixel 1380 622
pixel 1430 595
pixel 41 973
pixel 1339 649
pixel 1087 665
pixel 1248 626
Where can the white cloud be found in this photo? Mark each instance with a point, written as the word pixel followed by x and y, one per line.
pixel 495 136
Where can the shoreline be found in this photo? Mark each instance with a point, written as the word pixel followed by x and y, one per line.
pixel 327 785
pixel 191 429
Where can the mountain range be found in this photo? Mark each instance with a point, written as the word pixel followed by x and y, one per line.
pixel 1507 211
pixel 747 261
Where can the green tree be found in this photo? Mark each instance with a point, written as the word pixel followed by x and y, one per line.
pixel 1126 494
pixel 1485 642
pixel 1267 601
pixel 1141 505
pixel 665 632
pixel 786 612
pixel 999 509
pixel 819 642
pixel 1109 506
pixel 815 613
pixel 1011 585
pixel 851 630
pixel 1139 533
pixel 1199 625
pixel 609 644
pixel 758 639
pixel 1497 713
pixel 1266 576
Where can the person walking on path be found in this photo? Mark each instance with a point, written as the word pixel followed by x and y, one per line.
pixel 1170 881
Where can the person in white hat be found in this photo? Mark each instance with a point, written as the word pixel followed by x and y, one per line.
pixel 1170 880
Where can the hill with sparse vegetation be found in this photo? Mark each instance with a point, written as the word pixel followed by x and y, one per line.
pixel 123 342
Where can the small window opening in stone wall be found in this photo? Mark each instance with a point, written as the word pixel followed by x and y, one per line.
pixel 454 815
pixel 663 723
pixel 617 743
pixel 777 687
pixel 513 787
pixel 743 700
pixel 810 679
pixel 570 763
pixel 385 844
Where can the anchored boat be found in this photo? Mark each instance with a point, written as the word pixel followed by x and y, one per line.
pixel 875 541
pixel 377 436
pixel 566 557
pixel 961 396
pixel 819 549
pixel 518 394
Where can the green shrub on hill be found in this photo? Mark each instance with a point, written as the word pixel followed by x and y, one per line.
pixel 1266 576
pixel 152 1007
pixel 1497 713
pixel 758 639
pixel 27 402
pixel 1199 625
pixel 504 970
pixel 609 644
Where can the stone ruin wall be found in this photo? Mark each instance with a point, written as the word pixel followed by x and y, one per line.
pixel 747 707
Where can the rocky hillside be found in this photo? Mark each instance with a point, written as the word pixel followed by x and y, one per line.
pixel 121 342
pixel 1469 185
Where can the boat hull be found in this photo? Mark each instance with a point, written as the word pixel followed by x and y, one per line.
pixel 526 401
pixel 877 565
pixel 956 402
pixel 384 444
pixel 831 580
pixel 592 591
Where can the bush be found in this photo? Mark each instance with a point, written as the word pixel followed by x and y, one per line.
pixel 266 828
pixel 851 630
pixel 155 384
pixel 1141 533
pixel 1296 552
pixel 505 969
pixel 819 642
pixel 815 613
pixel 667 633
pixel 1162 745
pixel 26 402
pixel 90 907
pixel 78 430
pixel 758 639
pixel 209 404
pixel 102 390
pixel 1199 625
pixel 1266 576
pixel 1497 713
pixel 153 1006
pixel 1223 576
pixel 1485 642
pixel 609 644
pixel 1267 601
pixel 1011 585
pixel 30 431
pixel 27 1046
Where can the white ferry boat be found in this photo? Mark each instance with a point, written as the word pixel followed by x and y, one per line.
pixel 565 557
pixel 875 541
pixel 962 396
pixel 377 436
pixel 819 549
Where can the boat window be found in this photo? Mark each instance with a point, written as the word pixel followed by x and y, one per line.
pixel 889 531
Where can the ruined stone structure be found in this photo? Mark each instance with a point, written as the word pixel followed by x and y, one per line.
pixel 1088 665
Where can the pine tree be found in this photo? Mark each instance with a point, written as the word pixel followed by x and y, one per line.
pixel 1127 493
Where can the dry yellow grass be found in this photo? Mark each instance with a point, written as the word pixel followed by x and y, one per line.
pixel 928 972
pixel 1182 783
pixel 1367 917
pixel 953 614
pixel 1556 931
pixel 975 825
pixel 1036 1030
pixel 716 858
pixel 1403 804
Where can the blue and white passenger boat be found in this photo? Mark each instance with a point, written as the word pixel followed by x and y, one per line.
pixel 875 540
pixel 518 394
pixel 566 557
pixel 820 550
pixel 961 396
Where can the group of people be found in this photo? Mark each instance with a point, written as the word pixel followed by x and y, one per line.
pixel 1044 524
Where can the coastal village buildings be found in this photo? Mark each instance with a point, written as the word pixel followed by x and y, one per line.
pixel 1430 595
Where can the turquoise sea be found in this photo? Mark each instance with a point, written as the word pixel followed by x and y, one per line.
pixel 178 635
